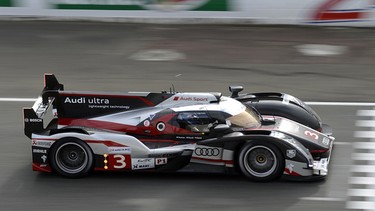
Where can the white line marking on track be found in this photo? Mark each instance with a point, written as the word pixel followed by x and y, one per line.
pixel 363 156
pixel 363 168
pixel 342 143
pixel 341 103
pixel 361 192
pixel 365 134
pixel 360 205
pixel 157 55
pixel 17 99
pixel 366 113
pixel 362 180
pixel 365 123
pixel 321 49
pixel 364 145
pixel 321 199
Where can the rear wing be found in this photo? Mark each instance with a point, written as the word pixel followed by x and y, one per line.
pixel 33 117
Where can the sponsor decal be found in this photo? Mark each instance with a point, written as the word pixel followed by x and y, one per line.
pixel 36 166
pixel 322 164
pixel 207 151
pixel 83 100
pixel 311 134
pixel 291 153
pixel 164 5
pixel 290 167
pixel 94 103
pixel 54 112
pixel 325 141
pixel 27 120
pixel 143 163
pixel 82 106
pixel 44 158
pixel 119 107
pixel 160 126
pixel 117 161
pixel 6 3
pixel 119 150
pixel 161 161
pixel 146 123
pixel 152 116
pixel 40 143
pixel 196 99
pixel 329 11
pixel 189 137
pixel 40 151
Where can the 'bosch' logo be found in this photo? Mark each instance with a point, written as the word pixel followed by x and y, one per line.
pixel 27 120
pixel 207 151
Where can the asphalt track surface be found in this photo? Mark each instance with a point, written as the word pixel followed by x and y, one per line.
pixel 98 56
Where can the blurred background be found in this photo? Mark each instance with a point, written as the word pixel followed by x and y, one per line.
pixel 319 51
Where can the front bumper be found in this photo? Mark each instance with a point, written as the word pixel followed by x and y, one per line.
pixel 320 167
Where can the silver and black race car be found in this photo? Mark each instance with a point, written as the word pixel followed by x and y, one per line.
pixel 169 131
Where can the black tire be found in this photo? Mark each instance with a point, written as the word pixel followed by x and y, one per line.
pixel 261 162
pixel 71 157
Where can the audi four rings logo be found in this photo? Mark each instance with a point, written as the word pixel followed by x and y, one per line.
pixel 207 151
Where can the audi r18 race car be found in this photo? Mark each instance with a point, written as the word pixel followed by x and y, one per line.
pixel 169 131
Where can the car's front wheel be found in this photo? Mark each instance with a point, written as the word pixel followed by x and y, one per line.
pixel 71 157
pixel 261 162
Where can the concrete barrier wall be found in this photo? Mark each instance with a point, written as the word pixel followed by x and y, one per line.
pixel 301 12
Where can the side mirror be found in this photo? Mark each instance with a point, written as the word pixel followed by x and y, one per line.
pixel 235 90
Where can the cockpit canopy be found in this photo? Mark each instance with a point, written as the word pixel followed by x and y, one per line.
pixel 200 118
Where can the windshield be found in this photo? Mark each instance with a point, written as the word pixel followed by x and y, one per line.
pixel 246 119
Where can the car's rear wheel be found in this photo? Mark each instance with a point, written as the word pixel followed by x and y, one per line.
pixel 261 162
pixel 71 157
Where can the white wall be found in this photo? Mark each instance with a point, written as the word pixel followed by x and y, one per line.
pixel 305 12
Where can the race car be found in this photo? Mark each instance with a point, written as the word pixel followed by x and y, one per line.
pixel 169 131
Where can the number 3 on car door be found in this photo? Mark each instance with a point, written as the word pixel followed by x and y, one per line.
pixel 311 134
pixel 119 161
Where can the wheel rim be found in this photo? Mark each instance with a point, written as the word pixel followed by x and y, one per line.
pixel 71 158
pixel 260 161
